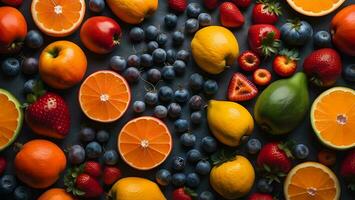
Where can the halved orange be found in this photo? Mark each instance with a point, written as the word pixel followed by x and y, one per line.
pixel 315 7
pixel 311 180
pixel 58 18
pixel 11 118
pixel 104 96
pixel 144 143
pixel 333 117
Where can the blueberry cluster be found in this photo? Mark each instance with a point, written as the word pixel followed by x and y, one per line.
pixel 9 185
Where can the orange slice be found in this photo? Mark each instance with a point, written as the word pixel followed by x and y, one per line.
pixel 104 96
pixel 144 143
pixel 58 18
pixel 311 180
pixel 10 119
pixel 333 117
pixel 315 7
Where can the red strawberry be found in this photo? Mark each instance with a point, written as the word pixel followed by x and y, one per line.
pixel 241 89
pixel 347 169
pixel 323 66
pixel 285 63
pixel 248 61
pixel 183 194
pixel 264 39
pixel 89 186
pixel 230 15
pixel 111 175
pixel 177 5
pixel 260 196
pixel 266 12
pixel 210 4
pixel 92 168
pixel 262 77
pixel 242 3
pixel 2 165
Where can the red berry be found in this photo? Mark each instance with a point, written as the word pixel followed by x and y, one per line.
pixel 242 3
pixel 230 15
pixel 183 194
pixel 241 89
pixel 210 4
pixel 92 168
pixel 248 61
pixel 327 157
pixel 266 12
pixel 111 175
pixel 177 5
pixel 89 186
pixel 262 77
pixel 260 196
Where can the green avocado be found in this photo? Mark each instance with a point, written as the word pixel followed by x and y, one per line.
pixel 282 105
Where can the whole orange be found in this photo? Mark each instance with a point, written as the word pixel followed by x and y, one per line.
pixel 55 194
pixel 62 64
pixel 39 163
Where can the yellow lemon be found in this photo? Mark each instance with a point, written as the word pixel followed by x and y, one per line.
pixel 214 48
pixel 135 188
pixel 229 121
pixel 233 179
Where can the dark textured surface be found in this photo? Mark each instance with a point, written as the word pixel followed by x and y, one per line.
pixel 303 133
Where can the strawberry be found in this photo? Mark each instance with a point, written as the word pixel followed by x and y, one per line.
pixel 242 3
pixel 92 168
pixel 230 15
pixel 347 169
pixel 241 89
pixel 264 39
pixel 248 61
pixel 266 12
pixel 177 5
pixel 2 165
pixel 210 4
pixel 262 77
pixel 260 196
pixel 183 194
pixel 111 175
pixel 285 63
pixel 323 66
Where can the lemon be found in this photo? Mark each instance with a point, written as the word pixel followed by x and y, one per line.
pixel 214 48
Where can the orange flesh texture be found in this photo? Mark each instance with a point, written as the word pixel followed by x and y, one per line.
pixel 334 118
pixel 104 96
pixel 311 183
pixel 315 6
pixel 8 120
pixel 67 14
pixel 145 143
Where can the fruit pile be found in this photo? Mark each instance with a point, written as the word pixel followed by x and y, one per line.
pixel 162 120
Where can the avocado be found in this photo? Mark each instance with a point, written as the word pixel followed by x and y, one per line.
pixel 282 105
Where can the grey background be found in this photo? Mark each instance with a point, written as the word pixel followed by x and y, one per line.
pixel 303 133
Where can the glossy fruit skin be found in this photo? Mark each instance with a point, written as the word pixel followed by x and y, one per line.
pixel 28 86
pixel 10 67
pixel 296 33
pixel 260 196
pixel 160 111
pixel 8 184
pixel 76 154
pixel 241 89
pixel 322 39
pixel 139 106
pixel 111 175
pixel 170 20
pixel 178 179
pixel 262 15
pixel 55 193
pixel 273 156
pixel 210 87
pixel 193 10
pixel 349 73
pixel 152 45
pixel 174 110
pixel 50 162
pixel 193 155
pixel 192 180
pixel 178 163
pixel 93 150
pixel 204 19
pixel 97 5
pixel 13 30
pixel 230 15
pixel 136 34
pixel 203 167
pixel 180 194
pixel 248 61
pixel 262 77
pixel 87 134
pixel 108 30
pixel 102 136
pixel 258 33
pixel 188 139
pixel 191 25
pixel 88 185
pixel 301 151
pixel 177 5
pixel 264 186
pixel 253 146
pixel 163 177
pixel 30 66
pixel 196 102
pixel 284 67
pixel 347 168
pixel 92 168
pixel 209 144
pixel 22 193
pixel 34 39
pixel 242 3
pixel 341 25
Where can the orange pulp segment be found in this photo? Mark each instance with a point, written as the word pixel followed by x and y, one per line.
pixel 315 7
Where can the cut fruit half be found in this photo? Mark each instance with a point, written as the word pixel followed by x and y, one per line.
pixel 333 117
pixel 58 18
pixel 104 96
pixel 315 8
pixel 311 180
pixel 11 118
pixel 144 143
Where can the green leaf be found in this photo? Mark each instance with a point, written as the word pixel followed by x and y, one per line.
pixel 222 156
pixel 31 98
pixel 190 192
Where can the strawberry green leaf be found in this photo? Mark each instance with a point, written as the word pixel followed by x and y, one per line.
pixel 190 192
pixel 222 156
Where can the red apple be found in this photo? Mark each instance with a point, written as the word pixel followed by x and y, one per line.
pixel 100 34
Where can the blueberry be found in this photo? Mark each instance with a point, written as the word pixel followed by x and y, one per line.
pixel 203 167
pixel 29 66
pixel 34 39
pixel 151 98
pixel 138 106
pixel 181 95
pixel 183 55
pixel 204 19
pixel 10 67
pixel 76 154
pixel 196 102
pixel 93 150
pixel 174 110
pixel 136 34
pixel 191 25
pixel 349 73
pixel 209 144
pixel 178 163
pixel 8 184
pixel 29 86
pixel 165 93
pixel 146 60
pixel 178 38
pixel 210 87
pixel 193 155
pixel 133 61
pixel 151 46
pixel 159 56
pixel 110 157
pixel 131 74
pixel 22 193
pixel 301 151
pixel 206 195
pixel 170 20
pixel 179 67
pixel 322 39
pixel 193 10
pixel 97 5
pixel 253 146
pixel 196 82
pixel 181 125
pixel 162 39
pixel 192 180
pixel 151 32
pixel 263 186
pixel 188 139
pixel 168 73
pixel 102 136
pixel 87 134
pixel 153 75
pixel 170 56
pixel 178 179
pixel 160 111
pixel 118 63
pixel 163 177
pixel 196 117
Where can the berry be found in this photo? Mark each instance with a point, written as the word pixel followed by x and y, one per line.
pixel 89 185
pixel 29 66
pixel 136 34
pixel 131 74
pixel 242 3
pixel 193 10
pixel 327 157
pixel 146 60
pixel 151 98
pixel 170 20
pixel 349 73
pixel 192 180
pixel 191 25
pixel 102 136
pixel 300 151
pixel 159 56
pixel 165 93
pixel 2 165
pixel 203 167
pixel 138 106
pixel 29 86
pixel 264 186
pixel 178 179
pixel 170 56
pixel 162 39
pixel 181 125
pixel 133 61
pixel 87 134
pixel 10 67
pixel 160 111
pixel 262 77
pixel 179 67
pixel 110 157
pixel 209 144
pixel 196 102
pixel 183 55
pixel 204 19
pixel 178 163
pixel 151 46
pixel 230 15
pixel 210 87
pixel 206 195
pixel 92 168
pixel 193 155
pixel 76 154
pixel 111 175
pixel 168 73
pixel 163 177
pixel 8 184
pixel 196 117
pixel 322 39
pixel 97 5
pixel 196 82
pixel 240 88
pixel 151 32
pixel 183 193
pixel 118 63
pixel 177 5
pixel 153 75
pixel 93 150
pixel 285 62
pixel 253 146
pixel 34 39
pixel 174 110
pixel 248 61
pixel 181 95
pixel 178 38
pixel 22 193
pixel 188 139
